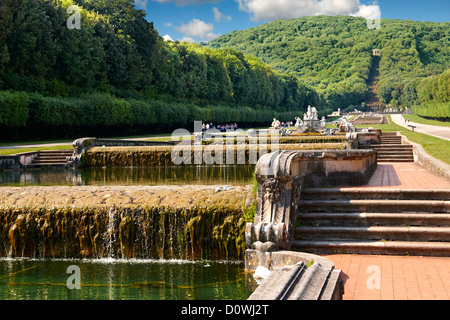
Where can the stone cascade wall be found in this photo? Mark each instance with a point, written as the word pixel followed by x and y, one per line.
pixel 133 222
pixel 188 155
pixel 152 233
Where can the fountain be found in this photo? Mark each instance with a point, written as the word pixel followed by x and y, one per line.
pixel 310 122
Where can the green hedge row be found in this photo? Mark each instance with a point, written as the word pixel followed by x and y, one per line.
pixel 39 113
pixel 433 110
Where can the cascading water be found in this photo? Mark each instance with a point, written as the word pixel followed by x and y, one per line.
pixel 141 233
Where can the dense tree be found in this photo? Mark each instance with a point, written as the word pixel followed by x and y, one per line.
pixel 116 74
pixel 333 54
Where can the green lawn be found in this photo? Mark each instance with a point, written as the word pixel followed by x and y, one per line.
pixel 418 119
pixel 435 147
pixel 6 152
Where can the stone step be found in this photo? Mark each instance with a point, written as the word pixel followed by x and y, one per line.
pixel 363 219
pixel 390 143
pixel 380 194
pixel 394 153
pixel 397 143
pixel 374 221
pixel 401 152
pixel 396 159
pixel 373 233
pixel 58 156
pixel 387 160
pixel 396 140
pixel 377 206
pixel 390 134
pixel 56 151
pixel 52 161
pixel 387 147
pixel 374 247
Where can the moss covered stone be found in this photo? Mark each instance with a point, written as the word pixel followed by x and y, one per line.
pixel 170 222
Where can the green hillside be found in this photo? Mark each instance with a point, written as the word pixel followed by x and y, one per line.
pixel 334 54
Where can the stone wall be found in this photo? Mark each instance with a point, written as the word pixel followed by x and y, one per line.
pixel 423 158
pixel 163 222
pixel 17 161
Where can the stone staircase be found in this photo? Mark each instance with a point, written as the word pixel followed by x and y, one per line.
pixel 370 221
pixel 51 158
pixel 391 149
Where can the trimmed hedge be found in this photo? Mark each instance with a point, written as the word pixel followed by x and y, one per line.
pixel 433 110
pixel 13 109
pixel 102 114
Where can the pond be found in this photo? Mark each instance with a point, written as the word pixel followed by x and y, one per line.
pixel 169 175
pixel 115 279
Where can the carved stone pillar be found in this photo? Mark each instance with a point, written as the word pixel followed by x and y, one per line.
pixel 278 195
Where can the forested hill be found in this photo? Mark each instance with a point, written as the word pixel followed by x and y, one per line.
pixel 333 54
pixel 115 75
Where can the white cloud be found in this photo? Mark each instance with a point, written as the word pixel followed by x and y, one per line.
pixel 371 12
pixel 168 24
pixel 142 4
pixel 187 39
pixel 219 16
pixel 199 29
pixel 187 2
pixel 270 10
pixel 167 38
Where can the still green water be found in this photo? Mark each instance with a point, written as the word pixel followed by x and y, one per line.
pixel 172 175
pixel 111 279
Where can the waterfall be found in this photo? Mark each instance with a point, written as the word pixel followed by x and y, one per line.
pixel 112 232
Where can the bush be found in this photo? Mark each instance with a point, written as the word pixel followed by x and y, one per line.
pixel 13 109
pixel 433 110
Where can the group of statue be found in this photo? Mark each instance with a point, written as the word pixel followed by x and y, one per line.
pixel 311 124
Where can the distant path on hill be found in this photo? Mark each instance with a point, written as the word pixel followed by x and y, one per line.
pixel 373 101
pixel 436 131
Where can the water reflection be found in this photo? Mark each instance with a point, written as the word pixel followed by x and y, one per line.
pixel 172 175
pixel 109 279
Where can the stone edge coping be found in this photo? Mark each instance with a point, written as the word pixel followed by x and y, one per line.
pixel 423 158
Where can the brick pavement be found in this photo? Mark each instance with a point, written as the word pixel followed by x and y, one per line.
pixel 406 175
pixel 384 277
pixel 369 277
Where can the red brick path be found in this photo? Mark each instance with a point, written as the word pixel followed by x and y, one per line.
pixel 400 278
pixel 406 175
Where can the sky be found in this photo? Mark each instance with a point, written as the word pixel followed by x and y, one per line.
pixel 203 20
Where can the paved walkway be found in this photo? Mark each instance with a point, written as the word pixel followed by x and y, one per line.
pixel 406 175
pixel 369 277
pixel 436 131
pixel 383 277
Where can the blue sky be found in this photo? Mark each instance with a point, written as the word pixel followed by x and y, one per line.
pixel 202 20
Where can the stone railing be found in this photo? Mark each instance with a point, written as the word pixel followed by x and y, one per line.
pixel 281 176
